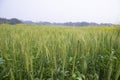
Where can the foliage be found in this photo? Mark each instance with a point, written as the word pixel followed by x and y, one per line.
pixel 10 21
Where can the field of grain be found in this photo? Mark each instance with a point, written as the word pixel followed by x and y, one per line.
pixel 39 52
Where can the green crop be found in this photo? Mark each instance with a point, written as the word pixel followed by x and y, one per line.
pixel 41 52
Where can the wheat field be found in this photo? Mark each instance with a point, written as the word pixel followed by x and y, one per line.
pixel 42 52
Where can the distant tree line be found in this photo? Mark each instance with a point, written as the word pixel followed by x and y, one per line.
pixel 69 23
pixel 75 24
pixel 10 21
pixel 17 21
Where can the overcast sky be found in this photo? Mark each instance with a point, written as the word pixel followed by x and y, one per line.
pixel 62 10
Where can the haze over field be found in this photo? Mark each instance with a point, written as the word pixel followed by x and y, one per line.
pixel 100 11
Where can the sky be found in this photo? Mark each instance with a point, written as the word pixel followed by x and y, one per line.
pixel 100 11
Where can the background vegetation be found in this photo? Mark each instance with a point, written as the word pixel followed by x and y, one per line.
pixel 32 52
